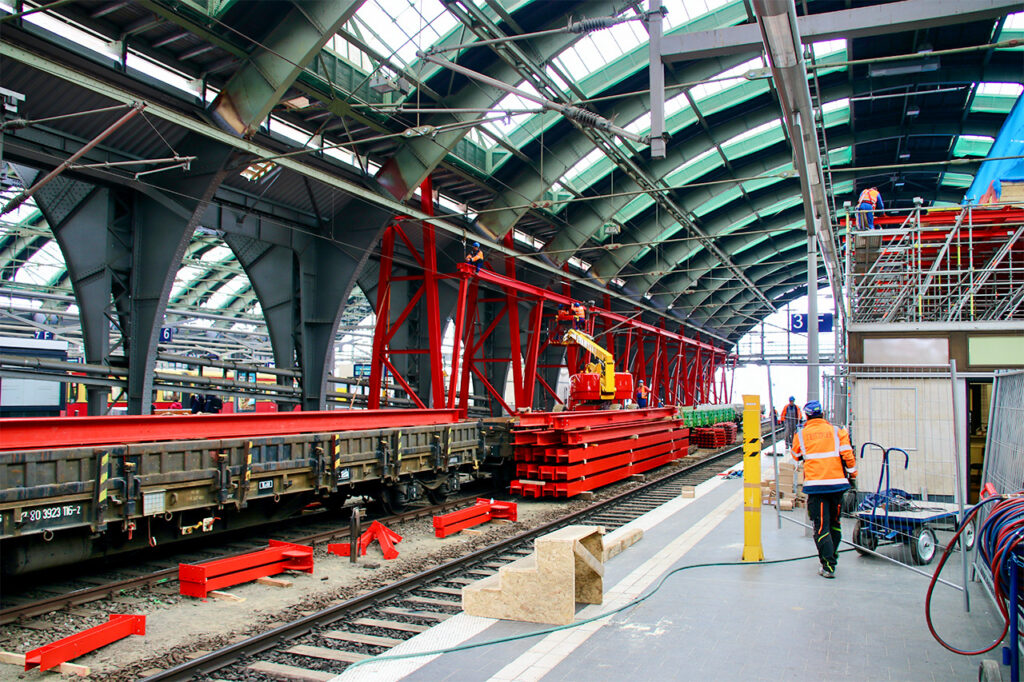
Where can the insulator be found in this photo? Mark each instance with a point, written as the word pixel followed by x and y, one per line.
pixel 592 24
pixel 587 118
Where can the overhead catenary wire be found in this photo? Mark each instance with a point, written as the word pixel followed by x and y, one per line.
pixel 648 192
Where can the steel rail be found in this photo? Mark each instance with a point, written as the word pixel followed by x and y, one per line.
pixel 208 663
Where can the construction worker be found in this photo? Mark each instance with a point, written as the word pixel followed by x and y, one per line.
pixel 475 256
pixel 579 315
pixel 829 466
pixel 870 199
pixel 791 418
pixel 641 394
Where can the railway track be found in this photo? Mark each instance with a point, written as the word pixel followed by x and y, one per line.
pixel 164 572
pixel 320 645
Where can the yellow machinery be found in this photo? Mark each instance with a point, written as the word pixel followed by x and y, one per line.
pixel 604 384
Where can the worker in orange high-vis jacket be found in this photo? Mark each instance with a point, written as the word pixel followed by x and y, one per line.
pixel 475 256
pixel 870 199
pixel 829 466
pixel 791 418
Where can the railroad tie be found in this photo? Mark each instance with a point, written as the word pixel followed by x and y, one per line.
pixel 326 654
pixel 390 625
pixel 411 613
pixel 361 638
pixel 440 589
pixel 430 601
pixel 290 672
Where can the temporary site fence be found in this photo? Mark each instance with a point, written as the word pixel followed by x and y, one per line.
pixel 910 417
pixel 1004 454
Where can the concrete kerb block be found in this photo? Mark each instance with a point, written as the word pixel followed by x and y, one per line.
pixel 566 567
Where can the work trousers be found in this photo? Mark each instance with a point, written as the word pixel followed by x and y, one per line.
pixel 790 431
pixel 824 510
pixel 866 216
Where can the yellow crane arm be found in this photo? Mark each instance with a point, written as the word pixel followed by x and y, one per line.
pixel 607 360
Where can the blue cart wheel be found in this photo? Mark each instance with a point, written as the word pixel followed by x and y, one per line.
pixel 862 539
pixel 922 545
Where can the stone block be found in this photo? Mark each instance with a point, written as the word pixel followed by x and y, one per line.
pixel 616 543
pixel 566 567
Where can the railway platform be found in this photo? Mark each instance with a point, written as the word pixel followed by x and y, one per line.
pixel 749 622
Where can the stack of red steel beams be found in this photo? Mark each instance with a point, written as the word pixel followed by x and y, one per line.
pixel 711 437
pixel 562 454
pixel 730 431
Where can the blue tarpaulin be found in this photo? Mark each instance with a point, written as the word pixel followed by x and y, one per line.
pixel 986 188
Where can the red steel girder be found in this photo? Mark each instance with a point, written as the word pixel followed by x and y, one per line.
pixel 576 454
pixel 582 419
pixel 118 626
pixel 593 467
pixel 555 439
pixel 198 580
pixel 562 299
pixel 29 433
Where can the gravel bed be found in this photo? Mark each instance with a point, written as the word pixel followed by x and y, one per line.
pixel 180 625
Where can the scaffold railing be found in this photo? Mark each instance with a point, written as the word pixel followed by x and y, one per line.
pixel 959 264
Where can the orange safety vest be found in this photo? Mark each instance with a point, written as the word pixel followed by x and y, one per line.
pixel 643 391
pixel 869 196
pixel 826 452
pixel 474 256
pixel 578 311
pixel 785 411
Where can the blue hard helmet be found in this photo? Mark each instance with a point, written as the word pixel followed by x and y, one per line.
pixel 476 245
pixel 792 399
pixel 812 410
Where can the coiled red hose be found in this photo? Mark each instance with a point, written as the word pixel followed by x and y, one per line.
pixel 1002 533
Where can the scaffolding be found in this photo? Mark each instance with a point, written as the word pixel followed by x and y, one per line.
pixel 960 264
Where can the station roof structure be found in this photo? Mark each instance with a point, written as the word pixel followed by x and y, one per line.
pixel 713 235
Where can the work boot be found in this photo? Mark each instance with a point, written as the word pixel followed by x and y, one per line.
pixel 825 573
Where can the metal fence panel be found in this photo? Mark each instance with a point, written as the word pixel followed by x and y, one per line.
pixel 1004 446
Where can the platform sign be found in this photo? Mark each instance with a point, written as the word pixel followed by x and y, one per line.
pixel 42 335
pixel 798 322
pixel 166 334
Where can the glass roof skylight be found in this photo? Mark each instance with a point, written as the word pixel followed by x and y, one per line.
pixel 397 28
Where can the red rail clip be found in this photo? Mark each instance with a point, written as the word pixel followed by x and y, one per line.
pixel 377 531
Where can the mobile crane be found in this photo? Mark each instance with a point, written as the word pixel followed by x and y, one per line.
pixel 598 385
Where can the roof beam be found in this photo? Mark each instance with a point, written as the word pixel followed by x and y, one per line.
pixel 895 17
pixel 255 89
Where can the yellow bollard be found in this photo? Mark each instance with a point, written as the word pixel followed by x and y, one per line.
pixel 752 549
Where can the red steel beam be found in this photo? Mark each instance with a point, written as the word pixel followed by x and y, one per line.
pixel 582 419
pixel 118 626
pixel 562 299
pixel 28 433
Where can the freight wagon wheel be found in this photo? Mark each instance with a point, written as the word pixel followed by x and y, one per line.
pixel 393 500
pixel 437 495
pixel 922 545
pixel 865 539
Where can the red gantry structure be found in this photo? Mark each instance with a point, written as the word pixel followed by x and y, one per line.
pixel 679 369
